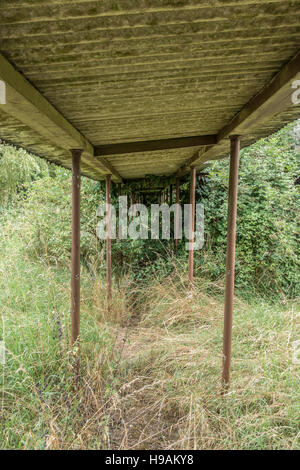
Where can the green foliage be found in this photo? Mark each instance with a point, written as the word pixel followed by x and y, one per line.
pixel 163 364
pixel 268 253
pixel 35 319
pixel 17 167
pixel 47 217
pixel 41 409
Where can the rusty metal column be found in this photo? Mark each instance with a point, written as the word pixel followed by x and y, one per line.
pixel 108 240
pixel 75 254
pixel 230 258
pixel 192 225
pixel 177 213
pixel 118 231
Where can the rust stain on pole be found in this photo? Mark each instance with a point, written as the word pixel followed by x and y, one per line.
pixel 177 213
pixel 230 258
pixel 118 231
pixel 192 225
pixel 75 255
pixel 108 241
pixel 119 194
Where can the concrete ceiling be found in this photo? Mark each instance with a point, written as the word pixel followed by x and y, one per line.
pixel 89 74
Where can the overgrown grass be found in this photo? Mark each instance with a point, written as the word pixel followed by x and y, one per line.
pixel 150 370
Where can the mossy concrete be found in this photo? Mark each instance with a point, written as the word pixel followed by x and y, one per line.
pixel 122 71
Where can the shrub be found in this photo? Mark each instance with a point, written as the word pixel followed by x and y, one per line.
pixel 268 253
pixel 17 167
pixel 47 217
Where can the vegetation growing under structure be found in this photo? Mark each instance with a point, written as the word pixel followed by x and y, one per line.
pixel 151 370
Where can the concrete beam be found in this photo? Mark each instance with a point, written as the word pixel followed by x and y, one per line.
pixel 26 104
pixel 274 98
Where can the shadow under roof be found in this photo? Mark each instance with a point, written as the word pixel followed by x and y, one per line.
pixel 93 74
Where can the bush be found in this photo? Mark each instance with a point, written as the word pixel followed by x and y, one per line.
pixel 47 217
pixel 17 167
pixel 268 253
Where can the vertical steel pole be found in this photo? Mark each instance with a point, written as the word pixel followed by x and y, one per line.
pixel 108 240
pixel 119 194
pixel 177 213
pixel 230 258
pixel 118 231
pixel 75 254
pixel 192 225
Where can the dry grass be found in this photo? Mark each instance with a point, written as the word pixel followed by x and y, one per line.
pixel 166 374
pixel 150 367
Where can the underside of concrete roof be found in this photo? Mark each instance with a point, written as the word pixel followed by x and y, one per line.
pixel 145 87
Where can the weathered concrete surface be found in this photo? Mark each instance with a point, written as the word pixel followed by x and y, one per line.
pixel 143 70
